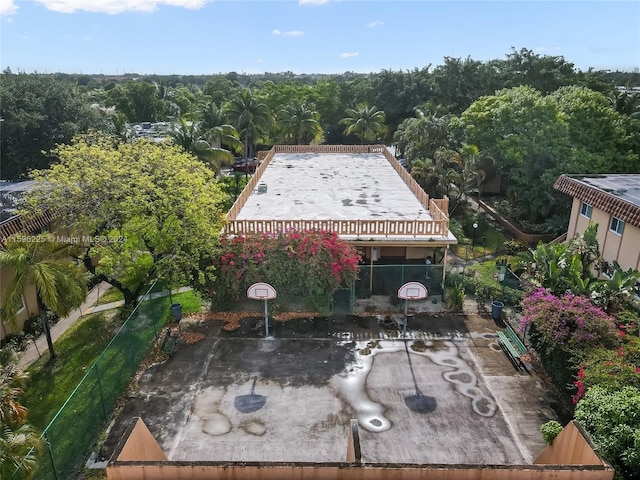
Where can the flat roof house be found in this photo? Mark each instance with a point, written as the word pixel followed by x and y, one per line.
pixel 613 202
pixel 359 191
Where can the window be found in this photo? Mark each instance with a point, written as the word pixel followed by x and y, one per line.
pixel 616 225
pixel 586 210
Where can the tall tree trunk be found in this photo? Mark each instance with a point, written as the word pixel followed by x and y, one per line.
pixel 46 327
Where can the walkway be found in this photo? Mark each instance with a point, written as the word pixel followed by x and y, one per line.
pixel 37 348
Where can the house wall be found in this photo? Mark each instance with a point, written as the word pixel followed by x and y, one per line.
pixel 621 248
pixel 139 457
pixel 570 447
pixel 345 471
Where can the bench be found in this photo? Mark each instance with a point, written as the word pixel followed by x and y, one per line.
pixel 513 347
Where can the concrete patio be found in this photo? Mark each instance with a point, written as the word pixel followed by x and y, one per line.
pixel 444 394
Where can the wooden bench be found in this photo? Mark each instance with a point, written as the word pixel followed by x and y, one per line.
pixel 513 347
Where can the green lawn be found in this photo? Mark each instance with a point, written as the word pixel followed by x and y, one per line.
pixel 110 295
pixel 51 383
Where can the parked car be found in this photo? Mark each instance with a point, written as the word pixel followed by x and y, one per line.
pixel 404 163
pixel 247 165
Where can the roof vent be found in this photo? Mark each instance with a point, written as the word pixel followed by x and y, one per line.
pixel 262 187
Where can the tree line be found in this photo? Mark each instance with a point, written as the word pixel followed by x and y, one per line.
pixel 527 117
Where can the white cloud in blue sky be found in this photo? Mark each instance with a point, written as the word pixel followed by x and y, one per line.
pixel 290 33
pixel 113 7
pixel 313 2
pixel 312 36
pixel 8 7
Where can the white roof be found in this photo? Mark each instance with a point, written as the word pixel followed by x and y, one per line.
pixel 341 186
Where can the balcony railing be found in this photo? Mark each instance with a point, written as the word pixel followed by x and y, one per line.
pixel 360 229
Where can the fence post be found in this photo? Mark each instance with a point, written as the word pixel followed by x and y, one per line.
pixel 53 465
pixel 104 410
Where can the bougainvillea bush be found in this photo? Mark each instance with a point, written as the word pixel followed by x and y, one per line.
pixel 569 322
pixel 565 330
pixel 310 264
pixel 611 369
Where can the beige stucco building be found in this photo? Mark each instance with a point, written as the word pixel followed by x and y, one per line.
pixel 613 202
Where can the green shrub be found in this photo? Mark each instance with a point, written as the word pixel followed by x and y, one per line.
pixel 550 431
pixel 393 298
pixel 613 421
pixel 455 297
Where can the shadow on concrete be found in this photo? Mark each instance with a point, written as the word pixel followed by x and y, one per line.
pixel 252 402
pixel 419 403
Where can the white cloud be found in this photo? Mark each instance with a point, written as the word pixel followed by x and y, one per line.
pixel 8 7
pixel 546 49
pixel 113 7
pixel 349 54
pixel 313 2
pixel 377 23
pixel 291 33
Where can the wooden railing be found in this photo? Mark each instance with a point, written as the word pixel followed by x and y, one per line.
pixel 25 225
pixel 364 229
pixel 415 188
pixel 232 214
pixel 329 148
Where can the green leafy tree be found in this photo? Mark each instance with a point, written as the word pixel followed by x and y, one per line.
pixel 364 121
pixel 139 211
pixel 39 112
pixel 545 73
pixel 19 441
pixel 251 117
pixel 43 263
pixel 612 419
pixel 423 135
pixel 602 140
pixel 138 101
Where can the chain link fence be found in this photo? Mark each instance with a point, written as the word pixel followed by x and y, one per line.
pixel 85 414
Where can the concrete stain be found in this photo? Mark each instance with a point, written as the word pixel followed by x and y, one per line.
pixel 351 384
pixel 253 427
pixel 206 408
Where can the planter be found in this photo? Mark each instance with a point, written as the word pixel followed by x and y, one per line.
pixel 176 311
pixel 496 309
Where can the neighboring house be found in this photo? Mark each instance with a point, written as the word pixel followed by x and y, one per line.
pixel 359 191
pixel 11 224
pixel 613 202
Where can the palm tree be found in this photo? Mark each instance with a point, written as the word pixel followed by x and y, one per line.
pixel 251 118
pixel 300 123
pixel 215 128
pixel 189 136
pixel 45 264
pixel 19 442
pixel 364 121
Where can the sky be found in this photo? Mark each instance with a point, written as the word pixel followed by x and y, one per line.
pixel 307 36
